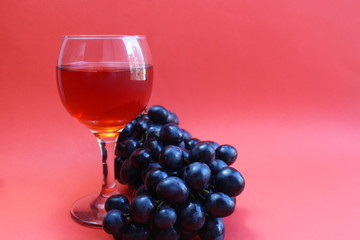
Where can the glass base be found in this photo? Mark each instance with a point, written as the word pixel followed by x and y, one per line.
pixel 90 210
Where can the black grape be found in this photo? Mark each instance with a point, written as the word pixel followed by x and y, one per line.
pixel 186 135
pixel 229 181
pixel 117 201
pixel 126 147
pixel 197 175
pixel 172 189
pixel 214 229
pixel 142 209
pixel 130 175
pixel 155 147
pixel 158 114
pixel 191 143
pixel 202 152
pixel 219 205
pixel 134 231
pixel 227 153
pixel 140 158
pixel 153 132
pixel 166 234
pixel 113 222
pixel 171 134
pixel 172 118
pixel 191 216
pixel 142 190
pixel 171 158
pixel 127 131
pixel 165 217
pixel 152 179
pixel 217 165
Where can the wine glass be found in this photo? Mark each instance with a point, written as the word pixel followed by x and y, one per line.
pixel 104 82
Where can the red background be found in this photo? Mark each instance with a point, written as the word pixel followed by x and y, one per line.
pixel 279 80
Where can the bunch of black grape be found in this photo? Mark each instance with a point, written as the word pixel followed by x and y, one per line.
pixel 183 187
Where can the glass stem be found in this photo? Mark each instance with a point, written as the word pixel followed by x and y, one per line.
pixel 107 146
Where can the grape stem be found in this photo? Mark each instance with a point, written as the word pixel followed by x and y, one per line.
pixel 160 204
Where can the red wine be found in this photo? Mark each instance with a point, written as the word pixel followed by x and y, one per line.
pixel 104 97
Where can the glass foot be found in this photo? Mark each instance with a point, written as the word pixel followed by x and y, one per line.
pixel 89 210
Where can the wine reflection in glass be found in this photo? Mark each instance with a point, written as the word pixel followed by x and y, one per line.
pixel 104 82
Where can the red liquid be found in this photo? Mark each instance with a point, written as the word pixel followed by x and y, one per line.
pixel 103 97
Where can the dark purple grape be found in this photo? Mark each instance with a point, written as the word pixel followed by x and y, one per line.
pixel 142 190
pixel 165 217
pixel 171 134
pixel 153 132
pixel 142 209
pixel 187 135
pixel 127 131
pixel 186 154
pixel 202 152
pixel 118 162
pixel 154 165
pixel 117 201
pixel 140 158
pixel 151 166
pixel 113 222
pixel 166 234
pixel 130 175
pixel 219 205
pixel 134 231
pixel 227 153
pixel 191 216
pixel 197 175
pixel 181 145
pixel 140 128
pixel 213 229
pixel 215 145
pixel 176 118
pixel 152 178
pixel 234 200
pixel 172 189
pixel 158 114
pixel 155 147
pixel 191 143
pixel 217 165
pixel 171 158
pixel 126 147
pixel 172 118
pixel 229 181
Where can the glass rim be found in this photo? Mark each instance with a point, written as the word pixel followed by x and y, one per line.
pixel 102 36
